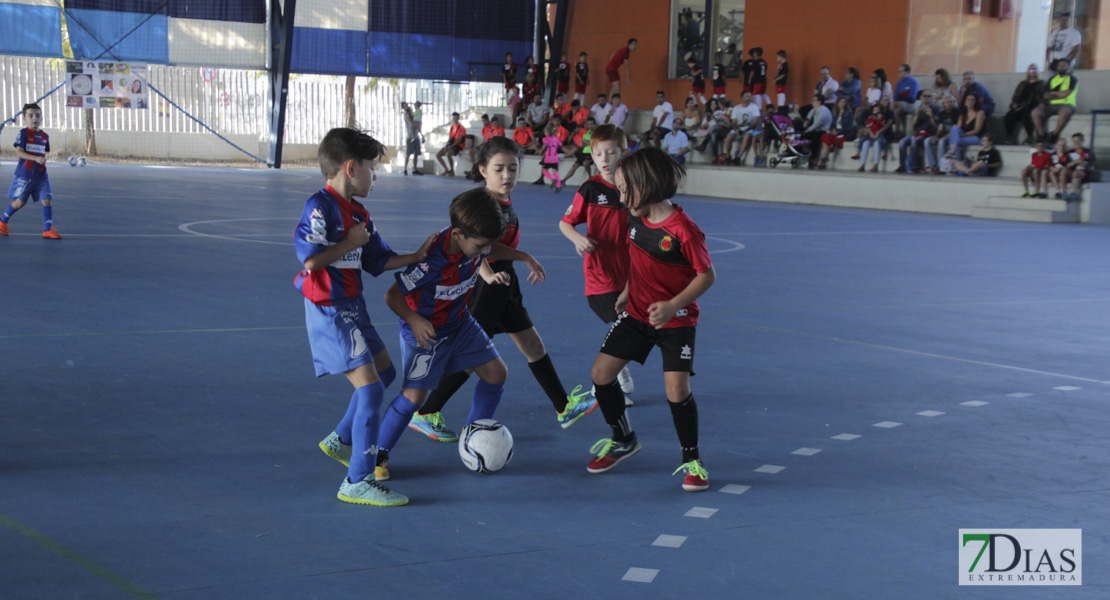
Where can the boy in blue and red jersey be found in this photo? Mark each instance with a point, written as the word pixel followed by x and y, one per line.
pixel 30 181
pixel 334 239
pixel 438 333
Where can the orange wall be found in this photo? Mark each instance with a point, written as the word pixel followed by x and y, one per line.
pixel 866 34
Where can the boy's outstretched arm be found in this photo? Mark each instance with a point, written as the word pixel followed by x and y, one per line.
pixel 403 260
pixel 503 252
pixel 356 237
pixel 582 244
pixel 661 312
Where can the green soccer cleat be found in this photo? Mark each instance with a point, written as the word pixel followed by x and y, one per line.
pixel 370 492
pixel 336 449
pixel 579 403
pixel 433 426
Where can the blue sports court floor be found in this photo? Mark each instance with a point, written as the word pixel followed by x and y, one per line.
pixel 869 383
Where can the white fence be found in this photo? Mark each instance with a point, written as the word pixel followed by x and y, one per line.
pixel 236 103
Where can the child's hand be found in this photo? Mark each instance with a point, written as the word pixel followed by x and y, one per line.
pixel 41 160
pixel 659 313
pixel 584 245
pixel 622 302
pixel 425 248
pixel 358 235
pixel 536 270
pixel 423 331
pixel 499 278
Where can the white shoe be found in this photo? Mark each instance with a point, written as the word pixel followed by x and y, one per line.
pixel 625 379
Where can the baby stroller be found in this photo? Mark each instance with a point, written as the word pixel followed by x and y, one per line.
pixel 789 147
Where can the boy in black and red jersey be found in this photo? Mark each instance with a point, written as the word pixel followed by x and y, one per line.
pixel 581 78
pixel 562 75
pixel 669 268
pixel 719 82
pixel 508 75
pixel 781 75
pixel 759 78
pixel 604 247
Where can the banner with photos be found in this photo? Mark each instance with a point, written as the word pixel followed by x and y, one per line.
pixel 102 84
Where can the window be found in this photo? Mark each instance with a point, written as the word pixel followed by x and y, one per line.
pixel 690 26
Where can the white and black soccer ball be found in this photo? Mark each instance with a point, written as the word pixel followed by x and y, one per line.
pixel 72 160
pixel 485 446
pixel 81 161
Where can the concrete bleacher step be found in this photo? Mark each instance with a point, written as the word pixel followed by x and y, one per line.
pixel 1044 204
pixel 1035 210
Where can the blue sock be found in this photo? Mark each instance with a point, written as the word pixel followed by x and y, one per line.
pixel 364 431
pixel 388 375
pixel 396 419
pixel 486 398
pixel 8 213
pixel 47 217
pixel 344 428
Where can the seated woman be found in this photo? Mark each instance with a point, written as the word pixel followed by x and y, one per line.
pixel 1028 95
pixel 971 125
pixel 843 130
pixel 691 118
pixel 871 97
pixel 944 86
pixel 875 133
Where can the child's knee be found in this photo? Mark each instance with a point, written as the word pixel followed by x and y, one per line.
pixel 495 372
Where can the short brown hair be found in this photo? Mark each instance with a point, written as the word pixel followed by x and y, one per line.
pixel 651 176
pixel 609 133
pixel 476 214
pixel 343 144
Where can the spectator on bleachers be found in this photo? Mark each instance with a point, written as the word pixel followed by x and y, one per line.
pixel 718 129
pixel 874 135
pixel 1037 172
pixel 1027 96
pixel 987 163
pixel 1080 159
pixel 888 88
pixel 706 123
pixel 922 127
pixel 531 89
pixel 619 112
pixel 525 137
pixel 691 117
pixel 945 121
pixel 537 114
pixel 662 119
pixel 944 86
pixel 820 120
pixel 575 117
pixel 843 130
pixel 583 155
pixel 456 141
pixel 871 97
pixel 561 107
pixel 974 87
pixel 968 129
pixel 472 141
pixel 1059 99
pixel 676 143
pixel 1064 42
pixel 905 97
pixel 516 106
pixel 601 109
pixel 746 121
pixel 850 88
pixel 827 87
pixel 1057 172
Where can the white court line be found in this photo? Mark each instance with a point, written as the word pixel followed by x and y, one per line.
pixel 669 541
pixel 806 451
pixel 975 403
pixel 699 512
pixel 847 437
pixel 887 424
pixel 638 575
pixel 772 469
pixel 914 352
pixel 734 488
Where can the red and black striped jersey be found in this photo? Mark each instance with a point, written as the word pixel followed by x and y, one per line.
pixel 665 258
pixel 598 205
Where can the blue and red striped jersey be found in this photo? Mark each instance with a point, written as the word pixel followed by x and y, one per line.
pixel 326 218
pixel 31 142
pixel 438 287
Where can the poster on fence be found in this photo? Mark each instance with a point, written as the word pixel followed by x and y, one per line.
pixel 101 84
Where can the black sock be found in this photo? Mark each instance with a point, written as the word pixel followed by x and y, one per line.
pixel 383 457
pixel 448 385
pixel 685 415
pixel 544 372
pixel 611 400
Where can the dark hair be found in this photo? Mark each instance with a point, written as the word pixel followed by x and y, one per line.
pixel 342 144
pixel 614 96
pixel 609 133
pixel 582 54
pixel 1078 135
pixel 651 176
pixel 987 136
pixel 497 144
pixel 820 97
pixel 907 68
pixel 588 119
pixel 881 74
pixel 602 96
pixel 485 117
pixel 575 103
pixel 632 41
pixel 32 105
pixel 660 93
pixel 963 104
pixel 758 51
pixel 454 114
pixel 476 214
pixel 508 54
pixel 782 53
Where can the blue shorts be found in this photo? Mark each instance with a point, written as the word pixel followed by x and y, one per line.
pixel 36 189
pixel 341 336
pixel 465 347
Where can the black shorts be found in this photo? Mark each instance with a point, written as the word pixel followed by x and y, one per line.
pixel 499 308
pixel 632 339
pixel 582 159
pixel 604 305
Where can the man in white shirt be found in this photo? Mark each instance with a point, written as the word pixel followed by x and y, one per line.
pixel 662 118
pixel 677 144
pixel 1063 42
pixel 601 109
pixel 618 113
pixel 747 125
pixel 537 115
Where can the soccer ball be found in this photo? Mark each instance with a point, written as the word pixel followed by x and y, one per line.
pixel 485 446
pixel 72 161
pixel 81 161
